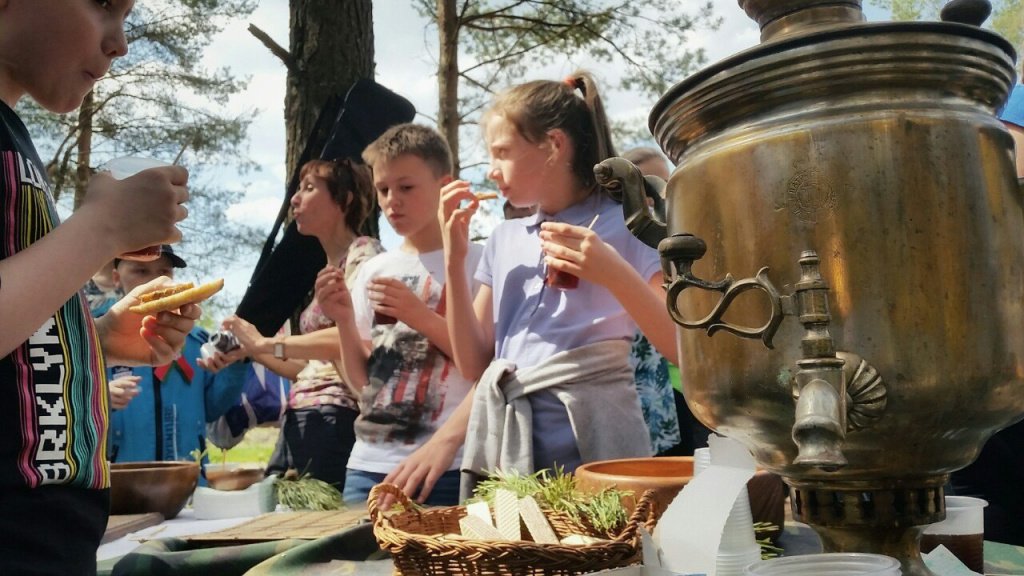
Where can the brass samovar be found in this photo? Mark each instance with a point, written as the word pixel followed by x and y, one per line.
pixel 856 174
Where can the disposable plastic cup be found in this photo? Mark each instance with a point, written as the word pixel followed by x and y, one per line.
pixel 738 533
pixel 834 564
pixel 962 532
pixel 733 563
pixel 124 167
pixel 701 460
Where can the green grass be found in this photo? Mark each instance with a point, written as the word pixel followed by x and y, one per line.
pixel 255 448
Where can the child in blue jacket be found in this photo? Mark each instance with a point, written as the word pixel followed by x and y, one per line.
pixel 160 412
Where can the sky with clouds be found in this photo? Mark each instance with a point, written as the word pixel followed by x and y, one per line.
pixel 404 56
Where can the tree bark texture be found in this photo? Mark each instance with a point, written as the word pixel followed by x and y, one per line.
pixel 331 47
pixel 83 173
pixel 448 120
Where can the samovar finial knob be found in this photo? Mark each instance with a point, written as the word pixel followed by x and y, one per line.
pixel 778 18
pixel 972 12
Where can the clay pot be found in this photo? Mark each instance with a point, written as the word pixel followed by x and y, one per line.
pixel 140 487
pixel 667 476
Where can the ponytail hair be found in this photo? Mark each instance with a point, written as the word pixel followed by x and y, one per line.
pixel 573 106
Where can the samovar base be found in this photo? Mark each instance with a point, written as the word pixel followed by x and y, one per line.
pixel 900 543
pixel 860 516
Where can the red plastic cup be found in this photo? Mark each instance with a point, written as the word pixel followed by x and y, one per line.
pixel 379 318
pixel 560 280
pixel 147 254
pixel 124 167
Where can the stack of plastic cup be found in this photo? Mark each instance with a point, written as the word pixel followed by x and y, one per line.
pixel 738 548
pixel 836 564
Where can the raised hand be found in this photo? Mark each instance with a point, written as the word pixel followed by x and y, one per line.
pixel 579 250
pixel 122 390
pixel 142 210
pixel 391 297
pixel 132 339
pixel 332 294
pixel 454 218
pixel 249 338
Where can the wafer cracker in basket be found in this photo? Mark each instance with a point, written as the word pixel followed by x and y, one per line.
pixel 476 529
pixel 175 297
pixel 481 510
pixel 536 522
pixel 506 514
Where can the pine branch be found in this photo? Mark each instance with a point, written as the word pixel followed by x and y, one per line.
pixel 276 49
pixel 493 13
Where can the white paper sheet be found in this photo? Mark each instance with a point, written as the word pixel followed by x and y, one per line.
pixel 941 561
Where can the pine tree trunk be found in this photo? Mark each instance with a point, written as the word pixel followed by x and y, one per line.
pixel 448 120
pixel 83 172
pixel 331 47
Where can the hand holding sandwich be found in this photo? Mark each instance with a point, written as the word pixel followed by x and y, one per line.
pixel 132 339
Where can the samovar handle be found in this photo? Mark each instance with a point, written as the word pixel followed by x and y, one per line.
pixel 678 253
pixel 624 181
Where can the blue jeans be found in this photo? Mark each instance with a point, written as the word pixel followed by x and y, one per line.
pixel 358 484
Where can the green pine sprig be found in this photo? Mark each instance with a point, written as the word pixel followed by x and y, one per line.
pixel 306 493
pixel 557 490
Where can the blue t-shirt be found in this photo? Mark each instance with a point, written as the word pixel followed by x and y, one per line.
pixel 1013 112
pixel 532 321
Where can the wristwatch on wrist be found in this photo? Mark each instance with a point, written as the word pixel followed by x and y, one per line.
pixel 279 350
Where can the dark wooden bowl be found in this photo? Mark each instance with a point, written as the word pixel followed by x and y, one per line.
pixel 140 487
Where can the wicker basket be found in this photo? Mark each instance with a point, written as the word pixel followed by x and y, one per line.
pixel 413 537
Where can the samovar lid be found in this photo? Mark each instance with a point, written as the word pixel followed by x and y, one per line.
pixel 832 32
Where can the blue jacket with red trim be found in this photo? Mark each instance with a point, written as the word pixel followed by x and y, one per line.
pixel 167 420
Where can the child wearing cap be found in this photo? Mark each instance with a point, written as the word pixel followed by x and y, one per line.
pixel 160 412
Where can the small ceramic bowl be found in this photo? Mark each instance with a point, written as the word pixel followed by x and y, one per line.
pixel 140 487
pixel 227 478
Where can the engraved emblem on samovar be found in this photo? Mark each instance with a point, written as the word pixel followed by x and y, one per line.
pixel 808 194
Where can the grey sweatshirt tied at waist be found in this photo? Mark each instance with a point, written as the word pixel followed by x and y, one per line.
pixel 594 382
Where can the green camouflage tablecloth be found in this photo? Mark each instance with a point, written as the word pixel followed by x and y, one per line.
pixel 354 551
pixel 348 552
pixel 1003 559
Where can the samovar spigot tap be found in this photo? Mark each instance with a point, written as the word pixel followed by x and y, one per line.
pixel 819 386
